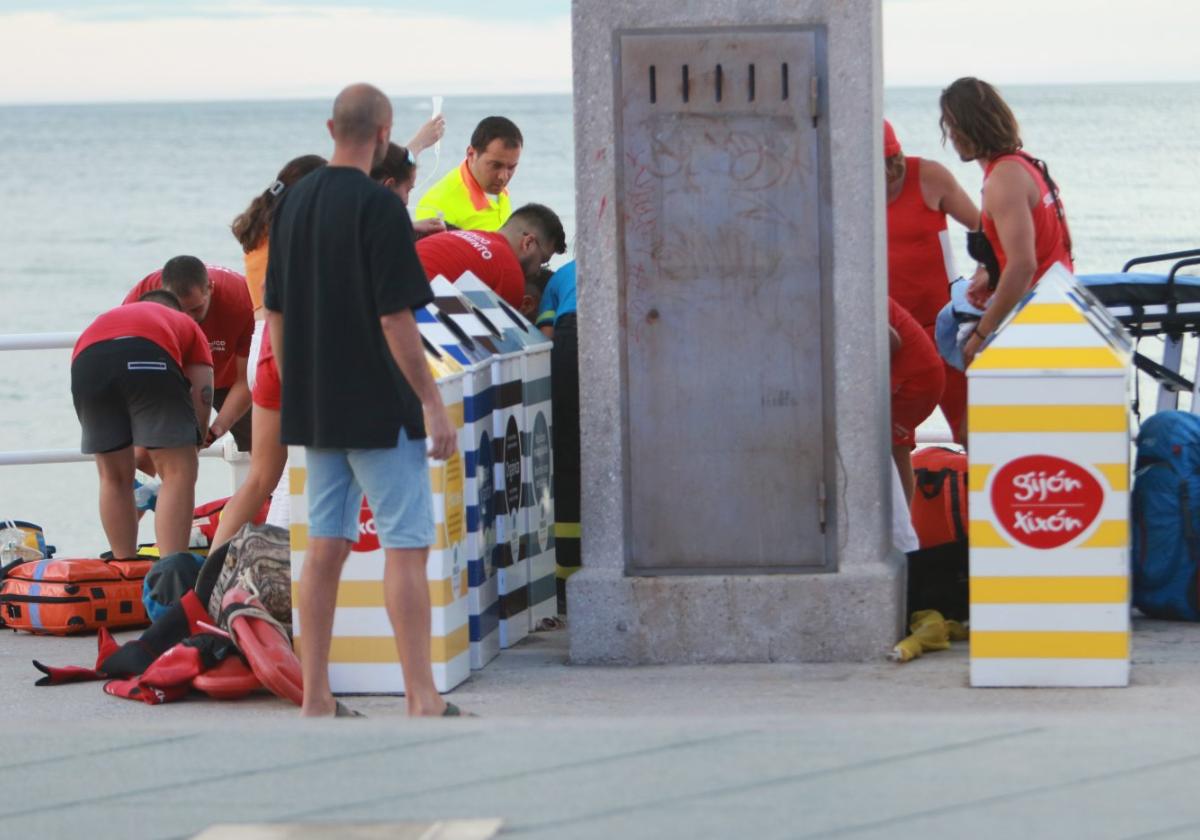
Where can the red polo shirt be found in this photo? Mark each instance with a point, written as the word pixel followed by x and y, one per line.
pixel 229 324
pixel 485 254
pixel 170 329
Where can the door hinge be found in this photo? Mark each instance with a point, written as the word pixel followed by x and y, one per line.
pixel 822 504
pixel 814 99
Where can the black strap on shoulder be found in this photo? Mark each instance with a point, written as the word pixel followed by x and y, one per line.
pixel 1042 167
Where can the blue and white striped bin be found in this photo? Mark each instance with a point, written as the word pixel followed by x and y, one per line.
pixel 483 603
pixel 537 491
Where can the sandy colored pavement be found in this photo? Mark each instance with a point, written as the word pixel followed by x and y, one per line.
pixel 748 751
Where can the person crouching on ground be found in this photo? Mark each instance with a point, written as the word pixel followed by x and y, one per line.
pixel 343 280
pixel 918 377
pixel 142 375
pixel 1024 226
pixel 506 260
pixel 217 299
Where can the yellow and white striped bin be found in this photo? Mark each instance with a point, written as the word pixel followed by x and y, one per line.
pixel 363 657
pixel 1048 441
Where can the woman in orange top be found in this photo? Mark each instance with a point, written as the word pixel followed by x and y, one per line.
pixel 266 465
pixel 250 228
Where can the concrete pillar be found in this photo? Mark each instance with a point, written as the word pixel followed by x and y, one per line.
pixel 838 596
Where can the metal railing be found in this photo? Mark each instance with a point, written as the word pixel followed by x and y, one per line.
pixel 223 448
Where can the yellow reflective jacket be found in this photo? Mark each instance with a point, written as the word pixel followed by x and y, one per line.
pixel 463 203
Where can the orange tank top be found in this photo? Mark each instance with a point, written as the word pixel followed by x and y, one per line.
pixel 256 273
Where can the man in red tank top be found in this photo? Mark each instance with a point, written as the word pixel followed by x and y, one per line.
pixel 920 194
pixel 1024 224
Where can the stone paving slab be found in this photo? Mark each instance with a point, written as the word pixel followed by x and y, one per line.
pixel 442 830
pixel 756 751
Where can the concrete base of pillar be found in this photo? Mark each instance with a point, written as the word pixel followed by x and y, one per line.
pixel 854 615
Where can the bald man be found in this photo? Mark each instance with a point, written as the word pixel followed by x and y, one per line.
pixel 343 280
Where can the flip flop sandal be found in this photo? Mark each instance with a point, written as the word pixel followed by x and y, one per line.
pixel 342 710
pixel 454 711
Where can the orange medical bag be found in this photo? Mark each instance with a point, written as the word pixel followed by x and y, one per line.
pixel 939 504
pixel 61 597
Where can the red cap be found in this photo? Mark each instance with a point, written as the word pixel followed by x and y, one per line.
pixel 891 146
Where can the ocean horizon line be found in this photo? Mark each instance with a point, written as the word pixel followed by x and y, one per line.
pixel 301 98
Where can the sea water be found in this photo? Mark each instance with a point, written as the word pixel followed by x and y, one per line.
pixel 94 197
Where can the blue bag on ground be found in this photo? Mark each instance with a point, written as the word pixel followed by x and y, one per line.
pixel 167 581
pixel 1166 517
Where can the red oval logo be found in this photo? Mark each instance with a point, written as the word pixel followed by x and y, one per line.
pixel 368 535
pixel 1045 502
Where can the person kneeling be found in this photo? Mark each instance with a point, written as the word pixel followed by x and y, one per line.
pixel 917 381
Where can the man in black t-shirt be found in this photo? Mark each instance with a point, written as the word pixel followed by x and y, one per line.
pixel 342 282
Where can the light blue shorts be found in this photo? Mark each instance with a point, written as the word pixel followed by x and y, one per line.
pixel 396 482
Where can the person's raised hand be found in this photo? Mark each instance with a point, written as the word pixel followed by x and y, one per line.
pixel 427 135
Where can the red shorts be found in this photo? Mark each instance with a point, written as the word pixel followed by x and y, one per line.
pixel 267 390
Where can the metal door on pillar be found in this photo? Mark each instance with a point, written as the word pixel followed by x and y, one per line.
pixel 722 156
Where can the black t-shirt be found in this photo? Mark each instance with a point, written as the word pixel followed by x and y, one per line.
pixel 341 255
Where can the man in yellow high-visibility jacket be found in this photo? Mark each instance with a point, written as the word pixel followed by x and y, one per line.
pixel 475 196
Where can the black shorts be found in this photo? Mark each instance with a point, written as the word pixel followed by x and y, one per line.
pixel 130 391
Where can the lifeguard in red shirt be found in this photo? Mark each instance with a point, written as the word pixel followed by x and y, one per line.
pixel 218 300
pixel 506 261
pixel 917 380
pixel 920 194
pixel 1024 230
pixel 141 375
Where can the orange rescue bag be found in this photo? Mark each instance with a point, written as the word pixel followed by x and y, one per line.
pixel 61 597
pixel 939 504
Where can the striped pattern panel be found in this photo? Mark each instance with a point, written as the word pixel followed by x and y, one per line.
pixel 510 561
pixel 1053 382
pixel 537 491
pixel 436 330
pixel 538 533
pixel 471 319
pixel 363 655
pixel 482 604
pixel 478 401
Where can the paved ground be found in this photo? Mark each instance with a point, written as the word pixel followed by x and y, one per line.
pixel 755 751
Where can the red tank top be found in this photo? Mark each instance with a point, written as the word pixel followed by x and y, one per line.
pixel 1050 236
pixel 920 262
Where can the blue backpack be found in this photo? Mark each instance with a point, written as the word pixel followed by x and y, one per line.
pixel 1166 517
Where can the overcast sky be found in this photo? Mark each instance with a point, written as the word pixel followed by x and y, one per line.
pixel 87 50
